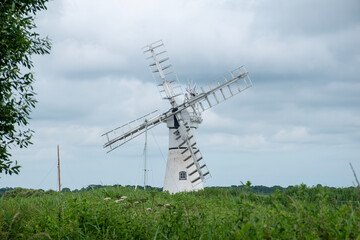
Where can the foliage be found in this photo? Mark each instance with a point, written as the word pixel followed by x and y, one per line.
pixel 255 189
pixel 125 213
pixel 4 190
pixel 18 43
pixel 25 193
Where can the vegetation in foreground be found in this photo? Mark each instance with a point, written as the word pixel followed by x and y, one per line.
pixel 234 213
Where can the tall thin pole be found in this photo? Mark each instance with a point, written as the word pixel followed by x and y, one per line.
pixel 58 152
pixel 145 153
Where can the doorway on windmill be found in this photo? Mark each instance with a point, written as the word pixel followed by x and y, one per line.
pixel 182 175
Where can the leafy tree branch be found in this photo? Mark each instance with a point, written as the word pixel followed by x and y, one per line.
pixel 18 43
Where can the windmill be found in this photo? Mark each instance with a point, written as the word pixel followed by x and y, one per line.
pixel 185 168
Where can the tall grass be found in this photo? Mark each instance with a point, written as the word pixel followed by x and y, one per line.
pixel 124 213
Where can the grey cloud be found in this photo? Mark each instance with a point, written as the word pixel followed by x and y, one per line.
pixel 294 19
pixel 300 115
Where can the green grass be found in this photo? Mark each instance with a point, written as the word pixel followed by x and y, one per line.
pixel 296 213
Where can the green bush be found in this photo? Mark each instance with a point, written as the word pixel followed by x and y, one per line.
pixel 22 193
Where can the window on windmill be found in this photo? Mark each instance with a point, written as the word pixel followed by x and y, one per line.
pixel 182 175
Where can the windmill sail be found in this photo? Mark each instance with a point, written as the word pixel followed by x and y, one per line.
pixel 195 167
pixel 120 135
pixel 162 70
pixel 232 84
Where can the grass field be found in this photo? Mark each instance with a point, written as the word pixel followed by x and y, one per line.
pixel 124 213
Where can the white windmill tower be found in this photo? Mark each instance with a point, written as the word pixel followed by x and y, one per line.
pixel 185 169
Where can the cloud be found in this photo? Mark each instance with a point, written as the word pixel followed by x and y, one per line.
pixel 212 120
pixel 297 134
pixel 234 143
pixel 87 58
pixel 302 112
pixel 296 19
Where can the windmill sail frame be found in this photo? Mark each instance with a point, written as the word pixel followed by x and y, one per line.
pixel 163 71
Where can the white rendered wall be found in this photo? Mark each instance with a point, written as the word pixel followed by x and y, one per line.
pixel 175 164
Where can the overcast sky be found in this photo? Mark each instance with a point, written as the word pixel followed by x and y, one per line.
pixel 299 123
